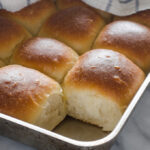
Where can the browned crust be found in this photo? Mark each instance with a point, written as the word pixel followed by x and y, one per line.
pixel 32 16
pixel 44 50
pixel 40 53
pixel 75 26
pixel 11 34
pixel 129 38
pixel 109 73
pixel 63 4
pixel 23 91
pixel 76 21
pixel 142 17
pixel 34 10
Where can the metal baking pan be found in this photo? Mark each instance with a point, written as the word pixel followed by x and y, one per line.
pixel 70 134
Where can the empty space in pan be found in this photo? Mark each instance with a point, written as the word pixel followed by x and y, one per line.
pixel 78 130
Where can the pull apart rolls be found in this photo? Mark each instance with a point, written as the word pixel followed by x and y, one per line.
pixel 100 86
pixel 128 38
pixel 76 26
pixel 31 96
pixel 142 17
pixel 11 35
pixel 47 55
pixel 32 16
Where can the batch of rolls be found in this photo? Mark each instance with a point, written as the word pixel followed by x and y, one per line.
pixel 66 58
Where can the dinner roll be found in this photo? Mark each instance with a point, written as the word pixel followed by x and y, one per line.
pixel 32 16
pixel 76 26
pixel 142 17
pixel 11 35
pixel 46 55
pixel 100 86
pixel 63 4
pixel 31 96
pixel 129 38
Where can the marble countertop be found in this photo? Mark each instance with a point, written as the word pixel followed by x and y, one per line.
pixel 134 136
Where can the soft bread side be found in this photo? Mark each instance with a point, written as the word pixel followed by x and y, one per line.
pixel 31 96
pixel 100 86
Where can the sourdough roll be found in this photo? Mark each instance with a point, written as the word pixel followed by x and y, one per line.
pixel 46 55
pixel 128 38
pixel 142 17
pixel 31 96
pixel 32 16
pixel 11 35
pixel 63 4
pixel 75 26
pixel 100 86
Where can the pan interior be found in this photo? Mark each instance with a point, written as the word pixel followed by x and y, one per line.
pixel 78 130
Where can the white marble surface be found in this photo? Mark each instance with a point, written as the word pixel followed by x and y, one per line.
pixel 135 135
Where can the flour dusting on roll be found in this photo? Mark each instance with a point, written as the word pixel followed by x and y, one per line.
pixel 47 55
pixel 128 38
pixel 31 96
pixel 100 86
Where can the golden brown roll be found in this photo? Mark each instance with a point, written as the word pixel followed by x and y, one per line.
pixel 128 38
pixel 100 86
pixel 63 4
pixel 142 17
pixel 32 16
pixel 46 55
pixel 11 35
pixel 31 96
pixel 76 26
